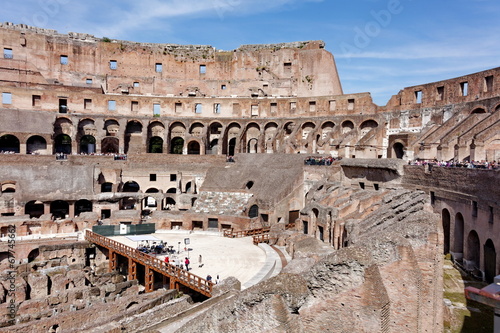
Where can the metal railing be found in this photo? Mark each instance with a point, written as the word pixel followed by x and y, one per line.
pixel 182 276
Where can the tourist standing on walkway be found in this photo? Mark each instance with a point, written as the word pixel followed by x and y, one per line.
pixel 186 262
pixel 200 263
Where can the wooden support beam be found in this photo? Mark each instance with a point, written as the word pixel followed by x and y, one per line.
pixel 113 260
pixel 132 269
pixel 149 280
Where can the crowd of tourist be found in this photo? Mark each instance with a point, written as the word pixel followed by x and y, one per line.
pixel 321 160
pixel 458 164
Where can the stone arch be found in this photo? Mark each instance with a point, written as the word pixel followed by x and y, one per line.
pixel 194 147
pixel 155 145
pixel 106 187
pixel 112 127
pixel 63 125
pixel 169 204
pixel 8 187
pixel 127 203
pixel 398 150
pixel 270 132
pixel 34 209
pixel 133 136
pixel 177 145
pixel 156 133
pixel 213 138
pixel 478 110
pixel 9 143
pixel 172 190
pixel 326 128
pixel 490 261
pixel 347 126
pixel 230 138
pixel 446 222
pixel 367 125
pixel 36 144
pixel 473 251
pixel 62 144
pixel 252 134
pixel 110 145
pixel 196 129
pixel 458 244
pixel 59 209
pixel 87 144
pixel 253 211
pixel 82 206
pixel 131 186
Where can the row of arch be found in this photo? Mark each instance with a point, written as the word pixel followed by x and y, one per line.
pixel 197 138
pixel 468 247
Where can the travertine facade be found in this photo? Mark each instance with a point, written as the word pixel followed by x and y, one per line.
pixel 98 131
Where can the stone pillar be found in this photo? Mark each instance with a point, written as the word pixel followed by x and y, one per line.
pixel 46 207
pixel 71 212
pixel 22 148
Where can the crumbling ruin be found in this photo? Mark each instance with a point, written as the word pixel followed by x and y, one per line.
pixel 106 132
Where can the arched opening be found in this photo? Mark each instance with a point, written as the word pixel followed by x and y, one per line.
pixel 82 206
pixel 176 146
pixel 8 188
pixel 34 209
pixel 59 209
pixel 110 145
pixel 128 203
pixel 169 204
pixel 150 202
pixel 473 251
pixel 87 144
pixel 172 190
pixel 194 148
pixel 33 255
pixel 252 146
pixel 36 145
pixel 133 136
pixel 131 186
pixel 399 150
pixel 445 218
pixel 367 126
pixel 231 146
pixel 9 143
pixel 490 261
pixel 152 190
pixel 107 187
pixel 347 126
pixel 188 187
pixel 253 211
pixel 62 144
pixel 155 145
pixel 214 146
pixel 478 110
pixel 458 244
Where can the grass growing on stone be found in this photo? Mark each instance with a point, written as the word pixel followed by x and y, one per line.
pixel 464 316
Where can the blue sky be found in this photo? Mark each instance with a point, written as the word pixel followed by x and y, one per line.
pixel 380 46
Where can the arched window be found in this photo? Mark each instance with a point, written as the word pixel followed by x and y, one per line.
pixel 87 144
pixel 398 149
pixel 62 144
pixel 253 211
pixel 445 216
pixel 9 143
pixel 176 146
pixel 82 206
pixel 34 209
pixel 110 145
pixel 490 259
pixel 130 186
pixel 36 145
pixel 155 145
pixel 106 187
pixel 194 148
pixel 59 209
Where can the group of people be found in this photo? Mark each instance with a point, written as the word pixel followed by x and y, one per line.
pixel 155 248
pixel 320 160
pixel 457 164
pixel 177 262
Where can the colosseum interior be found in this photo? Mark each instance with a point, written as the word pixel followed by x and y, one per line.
pixel 366 205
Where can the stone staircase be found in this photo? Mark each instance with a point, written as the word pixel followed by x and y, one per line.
pixel 222 203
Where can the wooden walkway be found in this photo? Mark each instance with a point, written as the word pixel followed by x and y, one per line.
pixel 176 276
pixel 245 233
